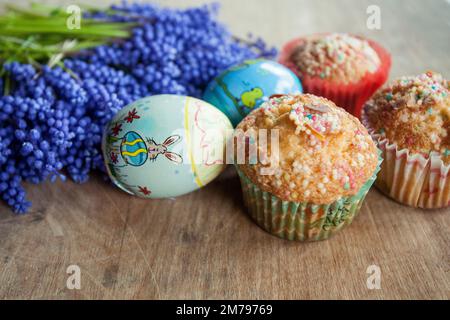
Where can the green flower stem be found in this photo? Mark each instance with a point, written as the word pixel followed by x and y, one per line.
pixel 39 33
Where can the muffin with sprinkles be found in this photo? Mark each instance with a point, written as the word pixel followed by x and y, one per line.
pixel 310 180
pixel 343 68
pixel 410 121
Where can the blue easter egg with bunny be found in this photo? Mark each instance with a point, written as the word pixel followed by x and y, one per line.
pixel 165 145
pixel 242 88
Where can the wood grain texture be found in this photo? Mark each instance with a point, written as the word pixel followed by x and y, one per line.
pixel 203 245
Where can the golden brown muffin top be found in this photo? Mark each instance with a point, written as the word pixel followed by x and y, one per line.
pixel 339 57
pixel 414 113
pixel 324 152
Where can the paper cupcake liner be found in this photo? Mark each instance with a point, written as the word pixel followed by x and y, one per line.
pixel 351 97
pixel 300 220
pixel 410 178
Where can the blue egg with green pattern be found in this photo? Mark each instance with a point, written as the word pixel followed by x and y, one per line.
pixel 243 88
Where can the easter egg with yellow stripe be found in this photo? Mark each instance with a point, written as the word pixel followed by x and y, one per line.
pixel 166 145
pixel 133 149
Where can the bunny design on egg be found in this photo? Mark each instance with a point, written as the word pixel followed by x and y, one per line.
pixel 136 152
pixel 165 146
pixel 154 149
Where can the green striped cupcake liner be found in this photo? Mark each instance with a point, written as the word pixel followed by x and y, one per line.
pixel 301 221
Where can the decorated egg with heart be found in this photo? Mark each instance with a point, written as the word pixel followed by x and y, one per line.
pixel 242 88
pixel 165 145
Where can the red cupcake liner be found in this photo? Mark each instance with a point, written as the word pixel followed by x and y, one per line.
pixel 351 97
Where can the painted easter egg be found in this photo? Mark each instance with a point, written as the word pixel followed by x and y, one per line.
pixel 133 149
pixel 242 88
pixel 165 145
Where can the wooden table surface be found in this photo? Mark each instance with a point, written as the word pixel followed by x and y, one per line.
pixel 203 245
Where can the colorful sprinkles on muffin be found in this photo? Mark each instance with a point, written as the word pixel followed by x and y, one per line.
pixel 325 153
pixel 336 56
pixel 414 113
pixel 314 118
pixel 424 89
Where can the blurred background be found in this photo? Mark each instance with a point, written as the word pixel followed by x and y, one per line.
pixel 416 32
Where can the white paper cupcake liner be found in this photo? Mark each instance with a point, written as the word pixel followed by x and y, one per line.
pixel 411 178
